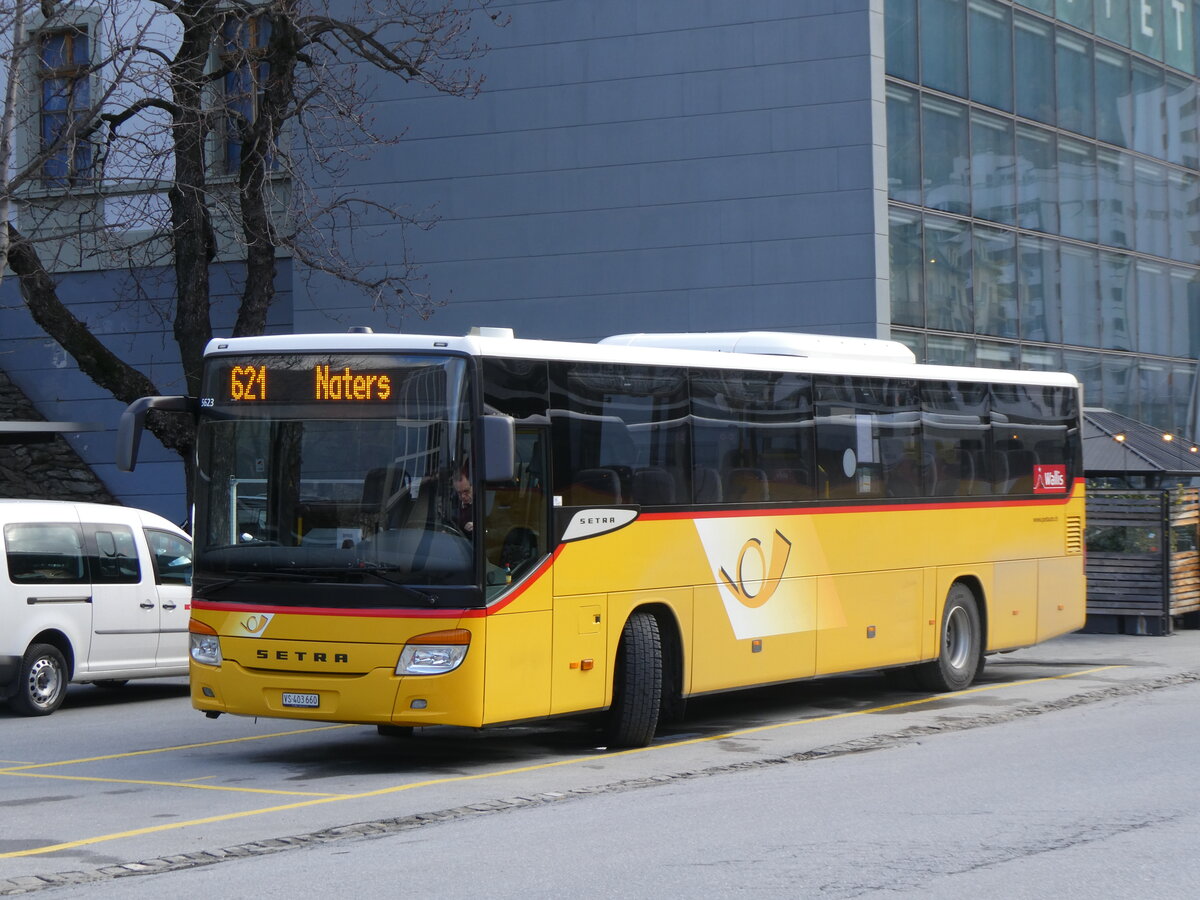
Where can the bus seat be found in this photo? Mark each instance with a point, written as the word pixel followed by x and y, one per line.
pixel 1020 471
pixel 706 485
pixel 595 487
pixel 792 483
pixel 520 545
pixel 745 485
pixel 653 486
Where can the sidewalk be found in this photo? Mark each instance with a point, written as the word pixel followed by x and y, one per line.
pixel 1178 652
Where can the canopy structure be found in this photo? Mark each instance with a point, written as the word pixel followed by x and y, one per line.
pixel 41 432
pixel 1116 445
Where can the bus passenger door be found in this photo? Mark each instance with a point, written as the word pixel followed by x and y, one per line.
pixel 580 652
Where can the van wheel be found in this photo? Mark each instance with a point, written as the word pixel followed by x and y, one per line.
pixel 42 681
pixel 960 647
pixel 637 684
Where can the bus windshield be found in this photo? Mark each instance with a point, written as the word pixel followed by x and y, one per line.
pixel 336 480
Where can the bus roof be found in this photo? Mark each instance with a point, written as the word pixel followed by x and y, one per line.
pixel 698 349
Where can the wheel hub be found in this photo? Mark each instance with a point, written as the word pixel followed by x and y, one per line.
pixel 44 682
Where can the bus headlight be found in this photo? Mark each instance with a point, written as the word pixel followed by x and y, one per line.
pixel 204 645
pixel 434 653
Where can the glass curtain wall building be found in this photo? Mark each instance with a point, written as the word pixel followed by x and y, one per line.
pixel 1044 188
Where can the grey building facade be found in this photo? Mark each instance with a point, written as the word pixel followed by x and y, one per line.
pixel 991 182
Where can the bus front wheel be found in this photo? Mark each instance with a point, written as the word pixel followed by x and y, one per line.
pixel 637 683
pixel 960 647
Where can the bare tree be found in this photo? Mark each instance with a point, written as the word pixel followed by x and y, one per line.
pixel 189 133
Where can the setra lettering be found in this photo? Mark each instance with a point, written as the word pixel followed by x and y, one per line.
pixel 301 656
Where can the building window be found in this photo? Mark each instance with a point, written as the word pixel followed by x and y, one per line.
pixel 64 104
pixel 243 52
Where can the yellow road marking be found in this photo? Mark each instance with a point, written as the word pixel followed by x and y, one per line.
pixel 458 779
pixel 180 784
pixel 133 753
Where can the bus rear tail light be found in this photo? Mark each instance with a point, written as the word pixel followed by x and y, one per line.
pixel 204 644
pixel 434 652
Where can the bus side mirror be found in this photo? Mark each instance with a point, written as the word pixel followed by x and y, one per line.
pixel 499 448
pixel 133 421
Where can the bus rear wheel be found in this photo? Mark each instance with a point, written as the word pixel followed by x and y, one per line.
pixel 637 684
pixel 960 647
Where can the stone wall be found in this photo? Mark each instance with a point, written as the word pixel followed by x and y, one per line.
pixel 42 471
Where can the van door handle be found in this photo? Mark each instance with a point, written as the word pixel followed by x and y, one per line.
pixel 168 605
pixel 147 604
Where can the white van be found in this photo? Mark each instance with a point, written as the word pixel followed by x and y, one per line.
pixel 88 593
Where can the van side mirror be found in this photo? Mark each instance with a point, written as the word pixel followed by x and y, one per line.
pixel 133 422
pixel 499 448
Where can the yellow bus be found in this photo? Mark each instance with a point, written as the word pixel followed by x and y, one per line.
pixel 409 530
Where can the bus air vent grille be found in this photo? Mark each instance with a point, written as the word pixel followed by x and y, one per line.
pixel 1074 534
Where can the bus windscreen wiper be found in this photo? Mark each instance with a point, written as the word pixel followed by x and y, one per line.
pixel 248 576
pixel 374 571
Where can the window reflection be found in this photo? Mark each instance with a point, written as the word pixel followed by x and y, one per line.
pixel 901 42
pixel 995 286
pixel 1150 180
pixel 1073 65
pixel 1185 313
pixel 1037 179
pixel 993 169
pixel 907 281
pixel 904 145
pixel 1081 319
pixel 944 45
pixel 1038 290
pixel 948 275
pixel 1117 316
pixel 1034 46
pixel 1132 187
pixel 1153 308
pixel 1077 189
pixel 944 144
pixel 1114 102
pixel 1116 198
pixel 1149 94
pixel 991 53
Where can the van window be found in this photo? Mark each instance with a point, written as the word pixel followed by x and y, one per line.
pixel 114 557
pixel 44 553
pixel 172 557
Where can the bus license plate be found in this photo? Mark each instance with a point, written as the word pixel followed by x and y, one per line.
pixel 306 701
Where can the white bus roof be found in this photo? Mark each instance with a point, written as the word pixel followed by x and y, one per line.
pixel 645 349
pixel 773 343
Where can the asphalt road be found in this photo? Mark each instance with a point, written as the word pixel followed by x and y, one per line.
pixel 1066 771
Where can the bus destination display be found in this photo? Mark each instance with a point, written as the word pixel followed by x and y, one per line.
pixel 321 383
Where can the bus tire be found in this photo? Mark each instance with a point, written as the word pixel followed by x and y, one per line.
pixel 41 682
pixel 637 684
pixel 960 644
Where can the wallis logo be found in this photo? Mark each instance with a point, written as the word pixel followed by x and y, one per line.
pixel 750 587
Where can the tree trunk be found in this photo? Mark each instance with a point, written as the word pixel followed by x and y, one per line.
pixel 105 368
pixel 194 242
